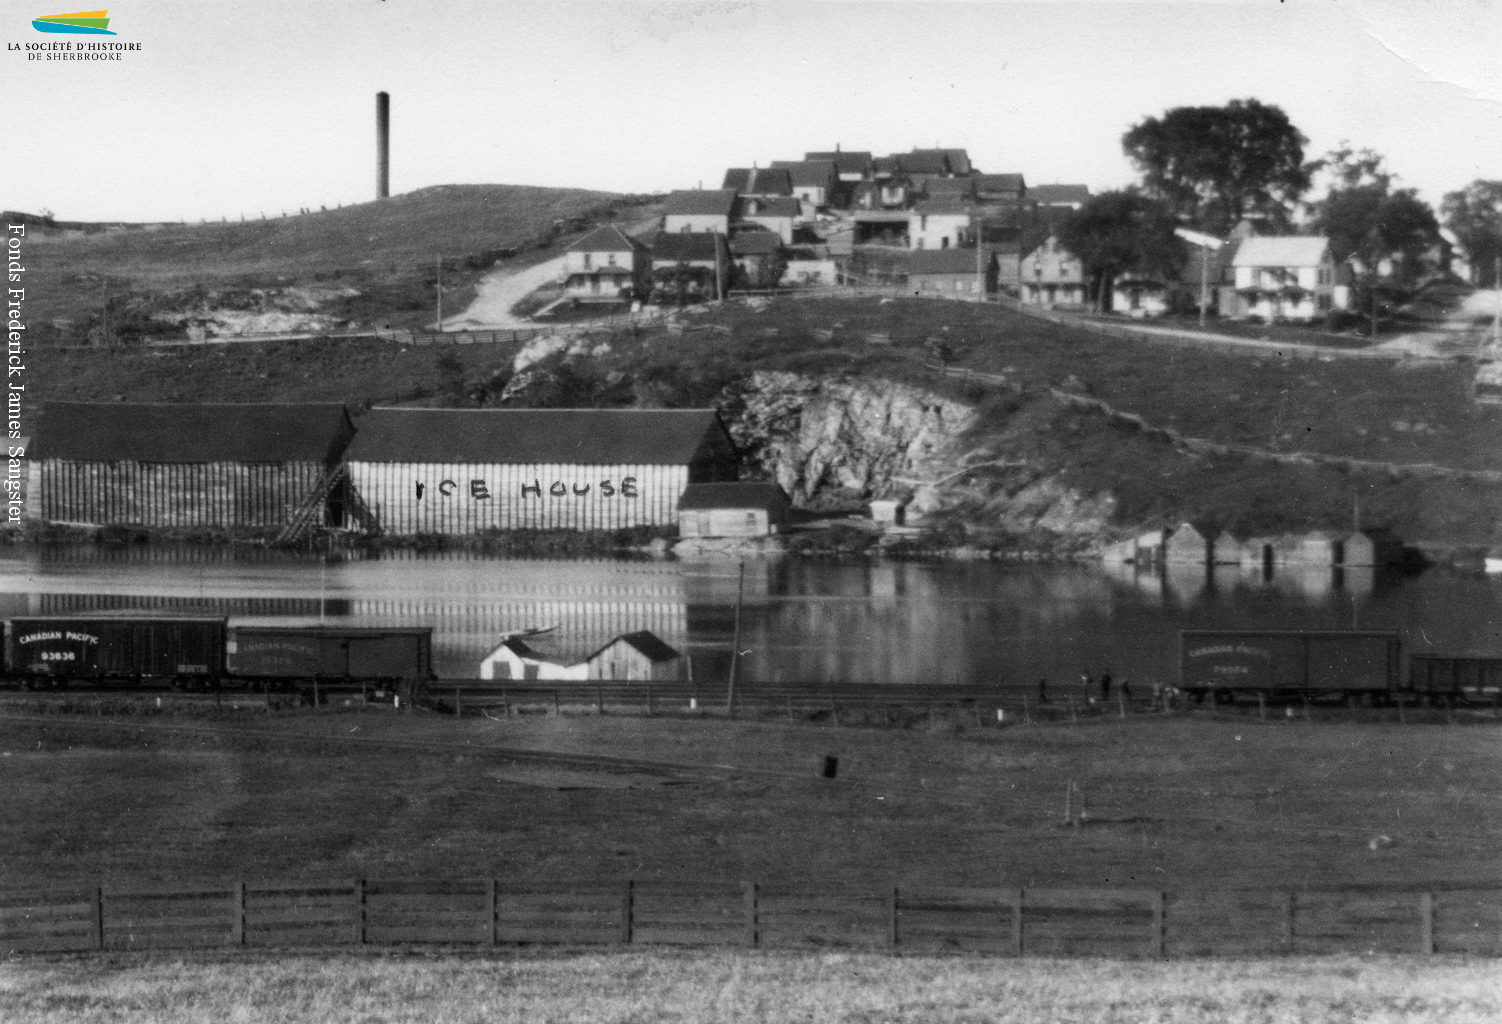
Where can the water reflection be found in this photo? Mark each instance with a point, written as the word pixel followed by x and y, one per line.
pixel 884 622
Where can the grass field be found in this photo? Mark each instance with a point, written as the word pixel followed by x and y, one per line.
pixel 705 987
pixel 1171 804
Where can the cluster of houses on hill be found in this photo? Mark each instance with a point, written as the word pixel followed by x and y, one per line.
pixel 933 223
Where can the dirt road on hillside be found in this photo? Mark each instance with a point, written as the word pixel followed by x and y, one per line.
pixel 497 292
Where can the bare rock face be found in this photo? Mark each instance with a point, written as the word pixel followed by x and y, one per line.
pixel 870 437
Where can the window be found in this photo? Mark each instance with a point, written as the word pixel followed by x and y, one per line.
pixel 610 259
pixel 587 258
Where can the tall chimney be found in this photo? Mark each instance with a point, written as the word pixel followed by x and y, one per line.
pixel 383 145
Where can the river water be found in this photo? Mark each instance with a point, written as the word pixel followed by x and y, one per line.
pixel 953 622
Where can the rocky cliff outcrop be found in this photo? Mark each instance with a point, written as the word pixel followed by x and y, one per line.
pixel 870 437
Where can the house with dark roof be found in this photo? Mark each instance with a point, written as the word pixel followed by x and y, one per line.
pixel 637 657
pixel 754 181
pixel 1066 197
pixel 689 266
pixel 236 467
pixel 607 263
pixel 890 193
pixel 755 255
pixel 1050 275
pixel 849 165
pixel 464 471
pixel 628 657
pixel 924 163
pixel 950 273
pixel 952 189
pixel 778 214
pixel 1000 188
pixel 743 509
pixel 813 180
pixel 939 224
pixel 705 210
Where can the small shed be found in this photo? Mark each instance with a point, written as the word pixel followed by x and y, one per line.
pixel 1121 552
pixel 1377 546
pixel 1227 549
pixel 1190 544
pixel 636 656
pixel 744 509
pixel 1149 547
pixel 514 658
pixel 1318 548
pixel 889 512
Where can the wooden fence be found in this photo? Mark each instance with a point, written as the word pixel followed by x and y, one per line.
pixel 1005 921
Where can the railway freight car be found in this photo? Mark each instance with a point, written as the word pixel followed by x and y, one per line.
pixel 285 656
pixel 1451 677
pixel 52 651
pixel 1320 664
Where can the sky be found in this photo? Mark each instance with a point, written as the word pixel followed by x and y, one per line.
pixel 235 109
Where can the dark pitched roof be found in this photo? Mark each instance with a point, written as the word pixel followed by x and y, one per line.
pixel 760 181
pixel 608 238
pixel 718 202
pixel 1051 195
pixel 809 173
pixel 1000 183
pixel 653 647
pixel 845 161
pixel 743 494
pixel 949 188
pixel 754 243
pixel 923 161
pixel 959 161
pixel 941 205
pixel 519 436
pixel 686 246
pixel 773 206
pixel 118 432
pixel 941 261
pixel 886 165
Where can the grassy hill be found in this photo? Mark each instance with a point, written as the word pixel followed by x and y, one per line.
pixel 386 250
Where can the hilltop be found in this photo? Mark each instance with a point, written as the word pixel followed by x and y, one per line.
pixel 384 252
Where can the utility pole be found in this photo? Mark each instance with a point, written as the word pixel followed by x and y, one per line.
pixel 1497 316
pixel 735 650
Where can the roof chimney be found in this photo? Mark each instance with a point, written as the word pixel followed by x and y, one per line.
pixel 383 145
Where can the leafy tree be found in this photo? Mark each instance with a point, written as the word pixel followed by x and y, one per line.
pixel 1215 165
pixel 1369 221
pixel 1474 215
pixel 1120 232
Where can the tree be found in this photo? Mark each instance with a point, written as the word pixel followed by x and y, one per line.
pixel 1474 215
pixel 1215 165
pixel 1371 223
pixel 1119 232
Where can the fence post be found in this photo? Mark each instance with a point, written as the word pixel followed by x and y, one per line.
pixel 628 910
pixel 97 922
pixel 1017 898
pixel 1426 923
pixel 237 932
pixel 599 700
pixel 494 904
pixel 1290 912
pixel 753 913
pixel 649 698
pixel 315 693
pixel 892 933
pixel 1160 900
pixel 1121 702
pixel 359 893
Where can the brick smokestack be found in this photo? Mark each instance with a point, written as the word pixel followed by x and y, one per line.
pixel 383 145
